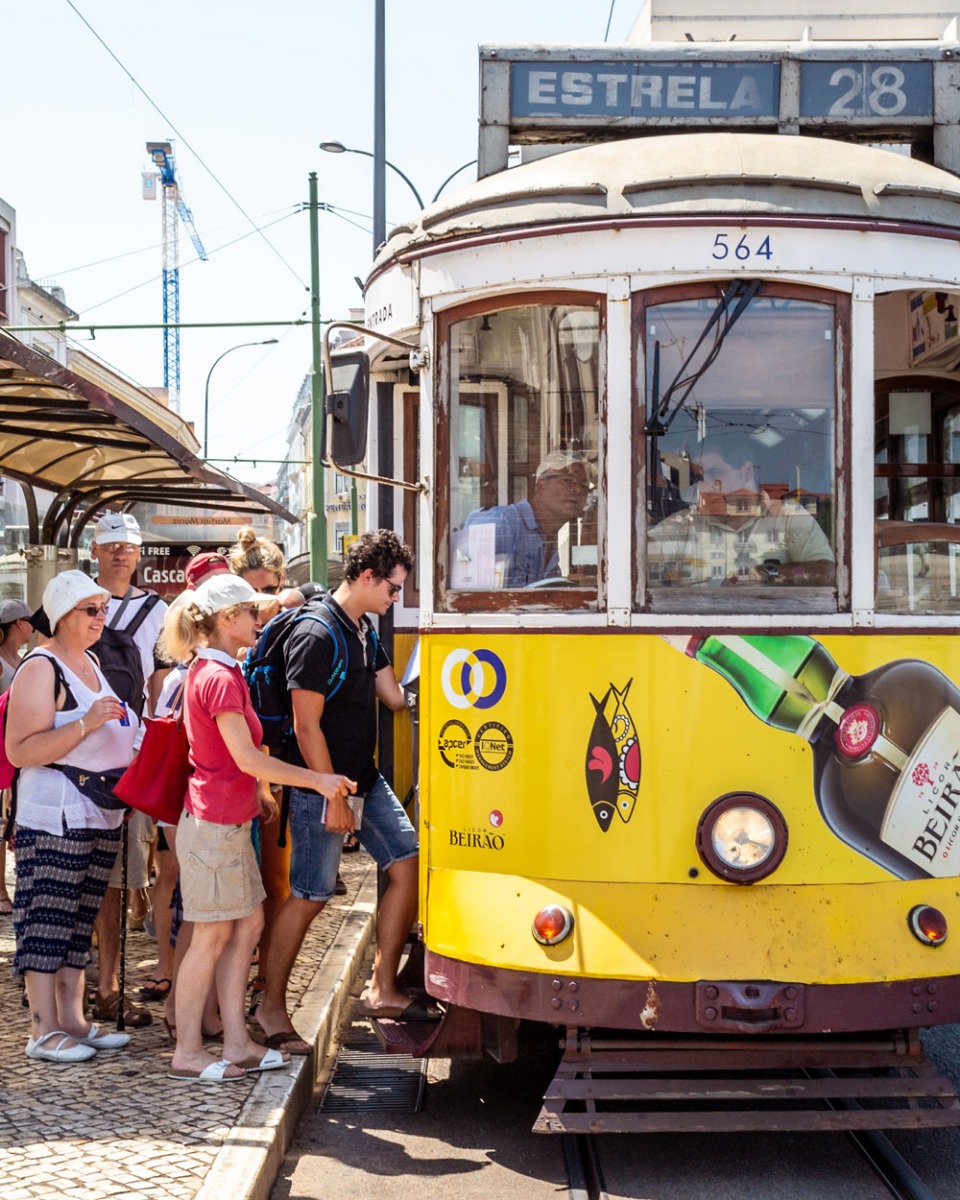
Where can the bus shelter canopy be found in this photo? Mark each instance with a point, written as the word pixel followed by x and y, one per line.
pixel 64 430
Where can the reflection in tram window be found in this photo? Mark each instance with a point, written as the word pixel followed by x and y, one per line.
pixel 741 406
pixel 917 500
pixel 523 445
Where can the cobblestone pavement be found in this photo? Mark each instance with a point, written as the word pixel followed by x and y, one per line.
pixel 116 1126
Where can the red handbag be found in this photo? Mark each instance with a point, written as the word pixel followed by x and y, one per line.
pixel 155 783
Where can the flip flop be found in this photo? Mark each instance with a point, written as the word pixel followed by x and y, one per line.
pixel 272 1060
pixel 156 989
pixel 416 1010
pixel 215 1073
pixel 6 906
pixel 204 1033
pixel 290 1041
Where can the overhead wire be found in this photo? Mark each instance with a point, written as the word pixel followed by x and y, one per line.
pixel 154 246
pixel 153 278
pixel 223 187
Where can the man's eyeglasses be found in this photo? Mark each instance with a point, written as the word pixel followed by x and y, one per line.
pixel 395 588
pixel 93 610
pixel 117 548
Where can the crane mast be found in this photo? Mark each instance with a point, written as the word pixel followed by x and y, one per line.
pixel 173 208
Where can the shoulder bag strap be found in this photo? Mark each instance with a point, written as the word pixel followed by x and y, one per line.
pixel 120 611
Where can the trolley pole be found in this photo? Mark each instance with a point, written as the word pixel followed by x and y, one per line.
pixel 318 522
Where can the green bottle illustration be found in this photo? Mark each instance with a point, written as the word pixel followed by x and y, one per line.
pixel 886 745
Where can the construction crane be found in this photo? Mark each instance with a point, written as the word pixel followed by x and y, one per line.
pixel 174 208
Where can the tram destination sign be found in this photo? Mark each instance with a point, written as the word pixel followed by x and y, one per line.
pixel 572 92
pixel 577 90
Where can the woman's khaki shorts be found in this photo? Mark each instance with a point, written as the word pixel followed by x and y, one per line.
pixel 219 876
pixel 140 829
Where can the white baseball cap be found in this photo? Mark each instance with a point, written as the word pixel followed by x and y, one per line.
pixel 117 527
pixel 223 591
pixel 561 460
pixel 66 591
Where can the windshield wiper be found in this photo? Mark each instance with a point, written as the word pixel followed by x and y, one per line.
pixel 734 302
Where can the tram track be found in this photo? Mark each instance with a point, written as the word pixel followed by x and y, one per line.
pixel 583 1163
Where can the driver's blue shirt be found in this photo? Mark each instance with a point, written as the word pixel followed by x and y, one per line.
pixel 518 541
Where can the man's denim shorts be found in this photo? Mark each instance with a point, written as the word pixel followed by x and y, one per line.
pixel 385 833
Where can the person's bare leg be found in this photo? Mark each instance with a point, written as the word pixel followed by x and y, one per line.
pixel 289 930
pixel 107 927
pixel 275 873
pixel 394 918
pixel 167 873
pixel 233 969
pixel 194 979
pixel 70 988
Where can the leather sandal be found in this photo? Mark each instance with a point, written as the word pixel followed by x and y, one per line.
pixel 134 1015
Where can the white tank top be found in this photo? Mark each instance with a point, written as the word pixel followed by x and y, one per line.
pixel 46 799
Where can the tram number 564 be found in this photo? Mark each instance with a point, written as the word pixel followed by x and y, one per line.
pixel 723 247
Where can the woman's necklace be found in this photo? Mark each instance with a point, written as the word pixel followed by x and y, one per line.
pixel 82 668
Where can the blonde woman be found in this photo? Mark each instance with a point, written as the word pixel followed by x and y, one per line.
pixel 219 878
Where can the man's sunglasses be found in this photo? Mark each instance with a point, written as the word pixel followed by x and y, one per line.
pixel 117 547
pixel 395 588
pixel 93 610
pixel 272 590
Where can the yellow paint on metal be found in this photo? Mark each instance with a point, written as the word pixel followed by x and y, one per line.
pixel 508 824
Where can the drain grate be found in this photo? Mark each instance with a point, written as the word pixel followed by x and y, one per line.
pixel 365 1079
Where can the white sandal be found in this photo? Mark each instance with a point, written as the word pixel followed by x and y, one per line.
pixel 78 1052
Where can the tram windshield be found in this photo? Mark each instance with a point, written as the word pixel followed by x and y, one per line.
pixel 523 449
pixel 741 410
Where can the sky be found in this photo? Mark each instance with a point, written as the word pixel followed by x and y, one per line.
pixel 247 92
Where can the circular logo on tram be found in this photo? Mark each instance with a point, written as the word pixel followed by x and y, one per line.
pixel 493 746
pixel 454 738
pixel 473 678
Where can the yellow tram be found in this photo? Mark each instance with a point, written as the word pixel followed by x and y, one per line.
pixel 686 427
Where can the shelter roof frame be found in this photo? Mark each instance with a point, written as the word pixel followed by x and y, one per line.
pixel 92 448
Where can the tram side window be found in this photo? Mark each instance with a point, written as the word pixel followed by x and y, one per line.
pixel 741 401
pixel 523 449
pixel 917 499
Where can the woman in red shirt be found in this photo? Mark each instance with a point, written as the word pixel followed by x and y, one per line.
pixel 219 877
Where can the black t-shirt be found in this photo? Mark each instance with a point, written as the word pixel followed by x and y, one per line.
pixel 349 721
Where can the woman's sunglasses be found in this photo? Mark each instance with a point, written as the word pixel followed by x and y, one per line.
pixel 93 610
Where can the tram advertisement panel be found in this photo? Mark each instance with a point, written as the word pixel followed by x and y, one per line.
pixel 589 757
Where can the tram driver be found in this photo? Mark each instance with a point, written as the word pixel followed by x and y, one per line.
pixel 736 530
pixel 526 533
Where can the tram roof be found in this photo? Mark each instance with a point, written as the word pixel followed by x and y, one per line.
pixel 69 434
pixel 687 174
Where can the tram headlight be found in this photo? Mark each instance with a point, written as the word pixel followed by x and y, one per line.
pixel 742 837
pixel 552 924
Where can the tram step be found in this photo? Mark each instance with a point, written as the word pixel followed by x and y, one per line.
pixel 786 1085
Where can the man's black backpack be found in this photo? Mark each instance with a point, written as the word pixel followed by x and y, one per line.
pixel 265 668
pixel 119 656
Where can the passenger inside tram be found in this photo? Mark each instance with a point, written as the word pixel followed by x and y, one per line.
pixel 736 529
pixel 522 538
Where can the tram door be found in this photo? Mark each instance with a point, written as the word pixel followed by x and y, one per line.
pixel 917 457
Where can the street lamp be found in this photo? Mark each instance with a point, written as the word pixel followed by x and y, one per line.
pixel 206 389
pixel 340 148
